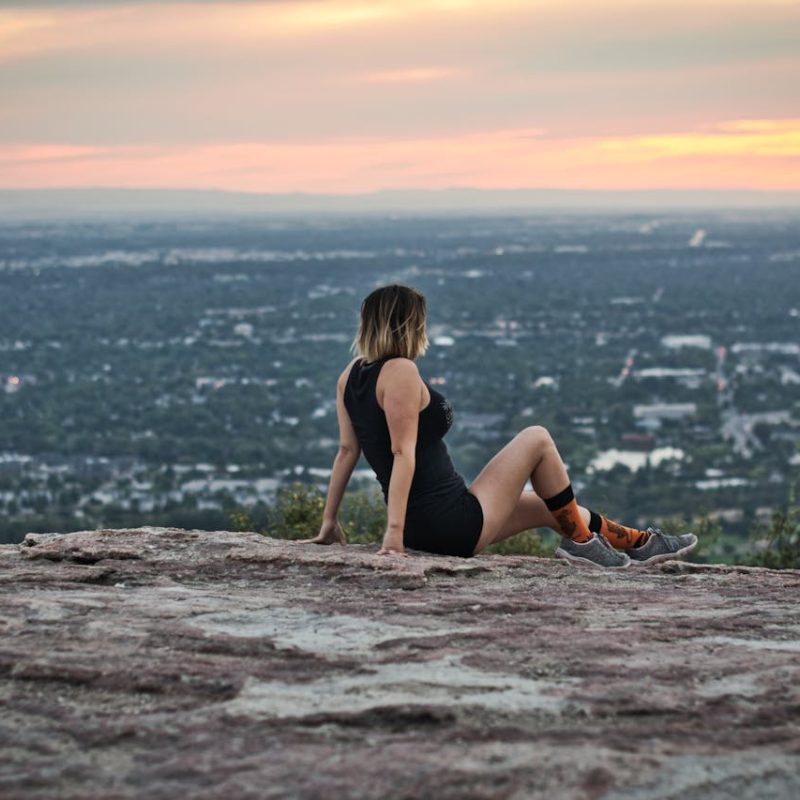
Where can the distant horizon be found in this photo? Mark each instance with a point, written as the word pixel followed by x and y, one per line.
pixel 69 202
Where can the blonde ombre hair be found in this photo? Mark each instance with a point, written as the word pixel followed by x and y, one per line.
pixel 392 324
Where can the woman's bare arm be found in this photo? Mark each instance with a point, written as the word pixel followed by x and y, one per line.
pixel 343 464
pixel 346 457
pixel 401 404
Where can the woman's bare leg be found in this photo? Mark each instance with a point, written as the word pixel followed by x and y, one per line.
pixel 530 512
pixel 530 455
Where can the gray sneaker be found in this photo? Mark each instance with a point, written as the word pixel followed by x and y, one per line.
pixel 597 551
pixel 662 546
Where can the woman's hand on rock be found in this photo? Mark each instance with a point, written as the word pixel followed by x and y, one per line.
pixel 389 551
pixel 330 532
pixel 392 545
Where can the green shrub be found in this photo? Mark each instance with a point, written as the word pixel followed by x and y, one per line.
pixel 241 520
pixel 529 543
pixel 777 545
pixel 297 514
pixel 363 517
pixel 712 546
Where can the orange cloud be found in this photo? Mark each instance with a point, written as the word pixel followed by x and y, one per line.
pixel 760 125
pixel 739 138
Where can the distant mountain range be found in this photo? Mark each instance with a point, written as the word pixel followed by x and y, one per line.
pixel 21 204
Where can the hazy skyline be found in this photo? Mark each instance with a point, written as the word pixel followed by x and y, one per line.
pixel 337 97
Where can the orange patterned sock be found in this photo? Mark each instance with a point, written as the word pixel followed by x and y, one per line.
pixel 564 508
pixel 619 535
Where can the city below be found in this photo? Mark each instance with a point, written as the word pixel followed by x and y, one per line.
pixel 174 372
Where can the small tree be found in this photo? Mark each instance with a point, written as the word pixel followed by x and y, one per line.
pixel 298 512
pixel 779 543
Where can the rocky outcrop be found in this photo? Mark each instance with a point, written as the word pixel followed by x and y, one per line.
pixel 164 663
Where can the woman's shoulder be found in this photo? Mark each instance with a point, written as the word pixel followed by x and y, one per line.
pixel 399 362
pixel 399 377
pixel 399 374
pixel 398 369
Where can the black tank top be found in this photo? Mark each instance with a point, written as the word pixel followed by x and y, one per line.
pixel 435 480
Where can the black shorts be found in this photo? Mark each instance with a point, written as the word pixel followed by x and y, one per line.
pixel 453 531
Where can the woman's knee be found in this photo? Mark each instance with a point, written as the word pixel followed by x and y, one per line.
pixel 538 436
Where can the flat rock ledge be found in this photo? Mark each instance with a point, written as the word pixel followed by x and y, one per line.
pixel 166 663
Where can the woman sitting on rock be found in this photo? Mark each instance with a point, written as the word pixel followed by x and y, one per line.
pixel 388 411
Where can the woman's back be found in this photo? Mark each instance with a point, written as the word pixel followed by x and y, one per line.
pixel 436 482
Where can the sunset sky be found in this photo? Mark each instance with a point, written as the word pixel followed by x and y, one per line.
pixel 342 96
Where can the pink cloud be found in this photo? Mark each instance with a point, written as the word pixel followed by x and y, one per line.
pixel 764 158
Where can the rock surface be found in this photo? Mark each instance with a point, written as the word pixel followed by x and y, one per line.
pixel 164 663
